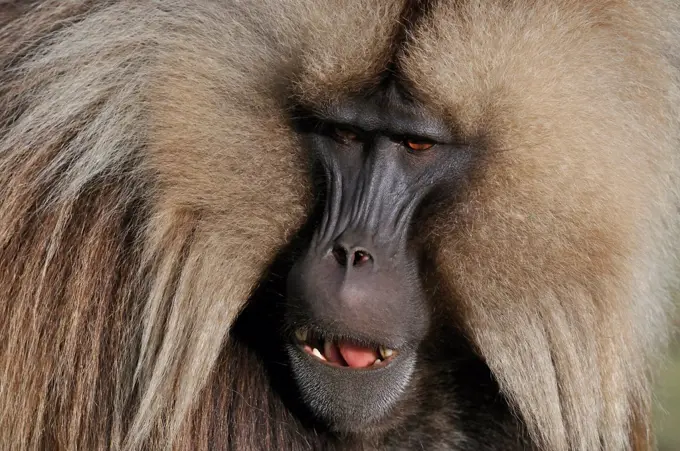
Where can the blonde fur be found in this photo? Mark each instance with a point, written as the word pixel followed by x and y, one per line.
pixel 149 175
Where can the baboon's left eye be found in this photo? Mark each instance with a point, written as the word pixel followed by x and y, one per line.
pixel 418 145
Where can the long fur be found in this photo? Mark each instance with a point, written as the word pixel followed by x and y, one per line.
pixel 149 176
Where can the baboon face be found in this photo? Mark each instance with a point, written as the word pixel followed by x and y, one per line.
pixel 356 302
pixel 470 206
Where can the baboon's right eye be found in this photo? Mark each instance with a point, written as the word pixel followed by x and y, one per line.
pixel 344 134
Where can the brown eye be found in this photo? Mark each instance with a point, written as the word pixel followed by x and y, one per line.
pixel 344 134
pixel 418 145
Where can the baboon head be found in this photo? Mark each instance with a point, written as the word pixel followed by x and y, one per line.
pixel 346 224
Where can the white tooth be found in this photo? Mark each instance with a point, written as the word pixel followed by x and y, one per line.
pixel 301 334
pixel 318 354
pixel 386 352
pixel 377 361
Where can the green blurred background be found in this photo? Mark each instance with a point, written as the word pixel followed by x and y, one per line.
pixel 668 396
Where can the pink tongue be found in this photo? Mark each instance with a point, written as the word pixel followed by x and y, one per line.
pixel 356 356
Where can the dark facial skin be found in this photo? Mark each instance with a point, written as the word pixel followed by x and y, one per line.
pixel 357 286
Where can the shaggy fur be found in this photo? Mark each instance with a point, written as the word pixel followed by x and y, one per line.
pixel 149 177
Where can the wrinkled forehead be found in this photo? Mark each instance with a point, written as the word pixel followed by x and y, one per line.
pixel 388 109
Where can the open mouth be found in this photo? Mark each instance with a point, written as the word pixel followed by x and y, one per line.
pixel 348 381
pixel 341 352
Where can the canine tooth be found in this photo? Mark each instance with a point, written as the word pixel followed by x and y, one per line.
pixel 301 334
pixel 386 352
pixel 377 361
pixel 328 348
pixel 318 354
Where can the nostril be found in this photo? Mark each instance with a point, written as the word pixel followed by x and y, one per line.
pixel 340 255
pixel 353 257
pixel 360 257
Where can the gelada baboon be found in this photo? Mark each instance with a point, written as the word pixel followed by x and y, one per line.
pixel 351 224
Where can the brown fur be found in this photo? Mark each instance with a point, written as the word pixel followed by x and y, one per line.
pixel 149 176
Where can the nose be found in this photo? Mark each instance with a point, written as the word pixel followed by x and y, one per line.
pixel 352 256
